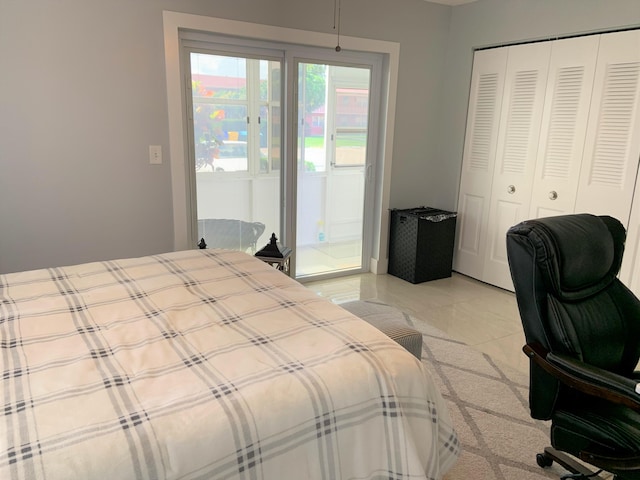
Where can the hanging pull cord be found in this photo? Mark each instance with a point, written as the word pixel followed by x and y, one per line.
pixel 337 7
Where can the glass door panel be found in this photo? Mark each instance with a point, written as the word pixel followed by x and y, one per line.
pixel 236 145
pixel 333 112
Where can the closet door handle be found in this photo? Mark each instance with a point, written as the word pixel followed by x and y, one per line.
pixel 511 189
pixel 553 194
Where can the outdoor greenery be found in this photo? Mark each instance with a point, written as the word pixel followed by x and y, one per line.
pixel 314 142
pixel 217 113
pixel 358 140
pixel 315 85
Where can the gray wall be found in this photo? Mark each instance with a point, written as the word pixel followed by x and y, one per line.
pixel 496 22
pixel 83 95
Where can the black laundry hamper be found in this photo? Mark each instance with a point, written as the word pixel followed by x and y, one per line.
pixel 421 243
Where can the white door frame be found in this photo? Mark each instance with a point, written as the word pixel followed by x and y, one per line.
pixel 173 22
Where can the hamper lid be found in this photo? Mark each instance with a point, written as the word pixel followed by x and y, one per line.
pixel 427 213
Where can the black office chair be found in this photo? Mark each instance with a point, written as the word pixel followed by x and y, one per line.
pixel 582 329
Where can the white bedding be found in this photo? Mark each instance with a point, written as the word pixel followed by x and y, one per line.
pixel 205 364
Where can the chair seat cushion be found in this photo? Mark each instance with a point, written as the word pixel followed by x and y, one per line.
pixel 598 427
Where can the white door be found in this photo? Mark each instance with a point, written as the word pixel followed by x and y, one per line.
pixel 612 147
pixel 332 138
pixel 630 272
pixel 483 120
pixel 564 123
pixel 517 149
pixel 347 126
pixel 568 141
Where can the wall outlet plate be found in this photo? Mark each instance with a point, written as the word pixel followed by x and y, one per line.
pixel 155 154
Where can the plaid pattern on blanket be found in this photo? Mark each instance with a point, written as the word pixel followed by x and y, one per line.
pixel 205 364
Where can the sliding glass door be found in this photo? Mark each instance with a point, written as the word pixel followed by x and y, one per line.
pixel 281 150
pixel 331 154
pixel 235 139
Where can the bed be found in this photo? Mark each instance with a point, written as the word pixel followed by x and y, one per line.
pixel 205 364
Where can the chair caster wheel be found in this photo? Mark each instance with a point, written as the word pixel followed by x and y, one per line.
pixel 543 460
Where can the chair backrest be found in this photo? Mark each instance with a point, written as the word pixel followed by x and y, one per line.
pixel 564 271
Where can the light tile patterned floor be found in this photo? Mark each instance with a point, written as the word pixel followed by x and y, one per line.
pixel 480 315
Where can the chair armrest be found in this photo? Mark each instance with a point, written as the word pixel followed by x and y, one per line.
pixel 586 378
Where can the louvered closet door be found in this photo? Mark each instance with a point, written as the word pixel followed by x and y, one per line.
pixel 612 144
pixel 517 148
pixel 564 123
pixel 613 151
pixel 630 272
pixel 485 100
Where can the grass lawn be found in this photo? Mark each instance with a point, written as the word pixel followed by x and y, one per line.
pixel 314 142
pixel 344 140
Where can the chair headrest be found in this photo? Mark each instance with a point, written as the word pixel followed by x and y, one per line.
pixel 578 254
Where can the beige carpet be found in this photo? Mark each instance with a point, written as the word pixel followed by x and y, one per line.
pixel 488 402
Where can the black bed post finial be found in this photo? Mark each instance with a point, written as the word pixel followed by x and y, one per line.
pixel 202 245
pixel 273 249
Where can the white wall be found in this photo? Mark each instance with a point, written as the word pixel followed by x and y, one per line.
pixel 494 22
pixel 83 95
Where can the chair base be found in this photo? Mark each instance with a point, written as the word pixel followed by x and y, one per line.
pixel 578 470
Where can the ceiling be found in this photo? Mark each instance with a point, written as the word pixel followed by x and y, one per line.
pixel 451 2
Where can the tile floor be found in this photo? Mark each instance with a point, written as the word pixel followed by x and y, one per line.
pixel 328 257
pixel 473 312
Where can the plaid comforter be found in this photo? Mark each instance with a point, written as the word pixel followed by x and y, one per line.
pixel 205 364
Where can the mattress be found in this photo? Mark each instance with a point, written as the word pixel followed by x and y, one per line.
pixel 205 364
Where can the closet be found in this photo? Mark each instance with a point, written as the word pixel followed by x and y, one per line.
pixel 552 127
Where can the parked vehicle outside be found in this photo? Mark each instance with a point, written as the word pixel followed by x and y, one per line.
pixel 222 156
pixel 231 157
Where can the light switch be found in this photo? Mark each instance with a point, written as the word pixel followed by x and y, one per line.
pixel 155 154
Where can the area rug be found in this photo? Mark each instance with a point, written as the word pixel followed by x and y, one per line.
pixel 488 402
